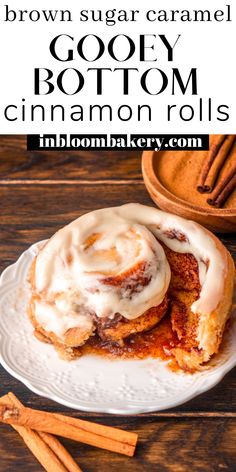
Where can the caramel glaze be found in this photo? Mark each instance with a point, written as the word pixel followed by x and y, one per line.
pixel 170 332
pixel 154 343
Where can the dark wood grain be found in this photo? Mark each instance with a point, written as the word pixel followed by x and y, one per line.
pixel 164 446
pixel 199 435
pixel 18 163
pixel 31 213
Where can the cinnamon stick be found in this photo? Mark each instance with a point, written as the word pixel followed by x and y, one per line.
pixel 123 442
pixel 224 194
pixel 102 430
pixel 38 447
pixel 218 163
pixel 67 462
pixel 224 181
pixel 208 162
pixel 60 451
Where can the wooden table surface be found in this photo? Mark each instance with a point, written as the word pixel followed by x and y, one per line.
pixel 39 193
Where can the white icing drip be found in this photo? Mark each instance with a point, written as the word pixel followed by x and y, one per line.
pixel 54 320
pixel 125 238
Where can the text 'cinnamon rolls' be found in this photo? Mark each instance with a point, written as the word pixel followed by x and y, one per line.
pixel 115 273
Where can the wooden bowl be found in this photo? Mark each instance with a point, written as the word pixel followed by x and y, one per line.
pixel 219 220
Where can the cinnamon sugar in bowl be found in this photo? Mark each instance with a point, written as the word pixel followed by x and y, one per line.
pixel 171 179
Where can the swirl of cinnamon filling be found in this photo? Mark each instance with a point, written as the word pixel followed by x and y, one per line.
pixel 101 267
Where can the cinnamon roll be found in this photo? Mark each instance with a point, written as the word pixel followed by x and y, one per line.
pixel 116 272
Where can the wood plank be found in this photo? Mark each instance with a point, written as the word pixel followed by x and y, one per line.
pixel 43 210
pixel 18 163
pixel 30 213
pixel 164 445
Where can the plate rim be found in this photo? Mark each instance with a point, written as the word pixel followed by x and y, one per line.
pixel 109 410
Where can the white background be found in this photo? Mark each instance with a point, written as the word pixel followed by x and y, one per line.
pixel 207 46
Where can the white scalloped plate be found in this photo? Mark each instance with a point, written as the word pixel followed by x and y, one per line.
pixel 93 383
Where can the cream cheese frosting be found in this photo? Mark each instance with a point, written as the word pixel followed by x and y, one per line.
pixel 76 268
